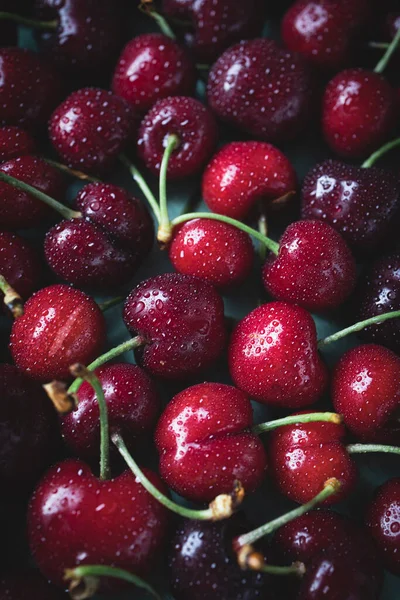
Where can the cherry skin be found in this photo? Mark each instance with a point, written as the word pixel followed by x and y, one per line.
pixel 212 250
pixel 383 521
pixel 359 203
pixel 20 210
pixel 244 173
pixel 181 321
pixel 273 356
pixel 195 127
pixel 152 66
pixel 15 142
pixel 366 391
pixel 74 518
pixel 261 89
pixel 19 264
pixel 90 129
pixel 23 583
pixel 314 267
pixel 305 455
pixel 205 444
pixel 359 112
pixel 60 326
pixel 133 406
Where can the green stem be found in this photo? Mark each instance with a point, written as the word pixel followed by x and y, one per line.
pixel 270 244
pixel 294 569
pixel 369 162
pixel 73 172
pixel 165 223
pixel 12 300
pixel 358 327
pixel 104 306
pixel 381 66
pixel 64 211
pixel 328 417
pixel 365 448
pixel 46 25
pixel 379 45
pixel 149 10
pixel 139 179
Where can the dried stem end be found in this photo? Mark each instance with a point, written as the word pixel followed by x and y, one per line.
pixel 12 299
pixel 224 505
pixel 81 588
pixel 64 403
pixel 333 483
pixel 248 558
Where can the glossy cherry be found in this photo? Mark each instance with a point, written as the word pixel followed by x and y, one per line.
pixel 242 174
pixel 181 322
pixel 21 583
pixel 19 264
pixel 152 66
pixel 195 127
pixel 15 142
pixel 273 356
pixel 91 127
pixel 261 89
pixel 60 326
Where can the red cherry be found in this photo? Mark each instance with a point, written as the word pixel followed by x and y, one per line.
pixel 76 519
pixel 273 356
pixel 23 583
pixel 181 321
pixel 304 456
pixel 60 326
pixel 19 264
pixel 152 66
pixel 14 142
pixel 90 128
pixel 262 89
pixel 243 173
pixel 195 127
pixel 204 443
pixel 383 521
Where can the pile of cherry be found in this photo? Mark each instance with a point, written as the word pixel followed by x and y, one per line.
pixel 94 98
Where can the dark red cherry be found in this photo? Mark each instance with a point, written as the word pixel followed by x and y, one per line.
pixel 359 112
pixel 75 519
pixel 214 25
pixel 20 210
pixel 152 66
pixel 204 441
pixel 195 127
pixel 273 356
pixel 14 142
pixel 314 267
pixel 359 203
pixel 91 127
pixel 244 173
pixel 133 405
pixel 25 583
pixel 19 264
pixel 304 456
pixel 60 326
pixel 383 521
pixel 181 321
pixel 262 89
pixel 366 392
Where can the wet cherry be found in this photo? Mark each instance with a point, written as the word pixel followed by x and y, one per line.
pixel 19 264
pixel 15 142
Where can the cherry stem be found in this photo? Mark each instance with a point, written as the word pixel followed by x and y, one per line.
pixel 331 487
pixel 130 344
pixel 140 180
pixel 270 244
pixel 296 568
pixel 328 417
pixel 12 300
pixel 221 508
pixel 81 371
pixel 64 211
pixel 358 327
pixel 83 580
pixel 147 7
pixel 382 64
pixel 104 306
pixel 379 45
pixel 164 230
pixel 365 448
pixel 73 172
pixel 263 229
pixel 46 25
pixel 248 558
pixel 380 152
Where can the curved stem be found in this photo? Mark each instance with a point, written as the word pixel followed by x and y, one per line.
pixel 358 327
pixel 147 7
pixel 294 569
pixel 379 45
pixel 270 244
pixel 64 211
pixel 104 306
pixel 139 179
pixel 73 172
pixel 380 152
pixel 164 231
pixel 12 300
pixel 328 417
pixel 46 25
pixel 365 448
pixel 382 64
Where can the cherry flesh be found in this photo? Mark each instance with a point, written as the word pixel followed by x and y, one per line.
pixel 19 264
pixel 60 327
pixel 204 443
pixel 15 142
pixel 273 356
pixel 314 267
pixel 23 583
pixel 181 320
pixel 195 127
pixel 152 66
pixel 244 173
pixel 261 89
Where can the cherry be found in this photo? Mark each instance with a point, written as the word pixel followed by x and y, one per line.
pixel 19 264
pixel 15 142
pixel 90 128
pixel 195 128
pixel 180 320
pixel 243 173
pixel 262 89
pixel 60 326
pixel 330 272
pixel 152 66
pixel 366 391
pixel 273 356
pixel 383 521
pixel 25 583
